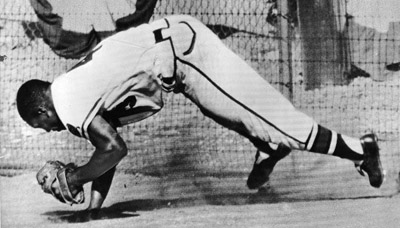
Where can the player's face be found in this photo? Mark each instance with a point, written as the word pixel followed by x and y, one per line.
pixel 47 121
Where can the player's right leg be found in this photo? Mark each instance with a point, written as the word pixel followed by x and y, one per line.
pixel 371 162
pixel 230 92
pixel 364 152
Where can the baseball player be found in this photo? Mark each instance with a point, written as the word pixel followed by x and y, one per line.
pixel 123 80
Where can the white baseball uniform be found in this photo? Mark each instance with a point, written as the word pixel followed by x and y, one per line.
pixel 124 77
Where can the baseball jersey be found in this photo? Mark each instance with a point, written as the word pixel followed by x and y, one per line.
pixel 109 82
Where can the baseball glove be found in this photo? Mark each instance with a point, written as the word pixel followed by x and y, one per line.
pixel 53 180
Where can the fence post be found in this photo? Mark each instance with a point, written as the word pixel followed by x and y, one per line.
pixel 285 47
pixel 324 49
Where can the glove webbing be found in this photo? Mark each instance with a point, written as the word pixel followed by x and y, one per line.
pixel 65 191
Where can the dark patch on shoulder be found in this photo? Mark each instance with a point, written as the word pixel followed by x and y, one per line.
pixel 73 130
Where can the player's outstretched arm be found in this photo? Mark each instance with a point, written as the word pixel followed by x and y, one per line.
pixel 110 149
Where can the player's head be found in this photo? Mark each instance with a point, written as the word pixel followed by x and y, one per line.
pixel 35 106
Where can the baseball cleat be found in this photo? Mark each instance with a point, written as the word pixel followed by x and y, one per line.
pixel 371 163
pixel 259 175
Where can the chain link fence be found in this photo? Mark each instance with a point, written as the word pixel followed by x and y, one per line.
pixel 179 141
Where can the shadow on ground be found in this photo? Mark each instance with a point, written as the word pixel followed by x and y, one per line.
pixel 131 208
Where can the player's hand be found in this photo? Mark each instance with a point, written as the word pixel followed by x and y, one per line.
pixel 53 180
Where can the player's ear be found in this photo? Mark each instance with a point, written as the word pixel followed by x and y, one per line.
pixel 42 111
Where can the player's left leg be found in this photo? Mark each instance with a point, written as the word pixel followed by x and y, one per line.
pixel 264 164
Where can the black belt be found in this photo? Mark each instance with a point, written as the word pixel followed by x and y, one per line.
pixel 158 35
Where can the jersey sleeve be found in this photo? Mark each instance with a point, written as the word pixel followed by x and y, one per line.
pixel 75 106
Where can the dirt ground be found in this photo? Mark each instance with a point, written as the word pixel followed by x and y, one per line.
pixel 24 205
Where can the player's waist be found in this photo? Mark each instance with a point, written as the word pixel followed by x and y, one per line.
pixel 180 31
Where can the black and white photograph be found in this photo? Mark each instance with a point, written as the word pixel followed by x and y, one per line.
pixel 199 113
